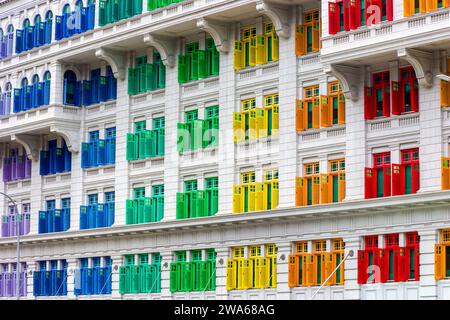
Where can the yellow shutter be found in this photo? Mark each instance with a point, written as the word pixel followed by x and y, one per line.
pixel 445 3
pixel 238 55
pixel 275 47
pixel 231 274
pixel 315 36
pixel 293 271
pixel 328 268
pixel 251 197
pixel 341 110
pixel 238 132
pixel 252 52
pixel 315 112
pixel 341 186
pixel 408 8
pixel 300 40
pixel 324 111
pixel 261 123
pixel 275 120
pixel 271 276
pixel 275 194
pixel 445 94
pixel 252 125
pixel 237 199
pixel 324 188
pixel 244 274
pixel 261 43
pixel 439 261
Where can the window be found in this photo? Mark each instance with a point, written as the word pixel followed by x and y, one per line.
pixel 393 263
pixel 194 203
pixel 378 178
pixel 335 111
pixel 350 15
pixel 190 185
pixel 110 196
pixel 256 49
pixel 311 269
pixel 307 36
pixel 140 126
pixel 311 107
pixel 158 190
pixel 196 133
pixel 405 93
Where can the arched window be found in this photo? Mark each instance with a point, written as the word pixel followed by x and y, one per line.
pixel 26 23
pixel 70 96
pixel 24 82
pixel 37 20
pixel 35 79
pixel 47 76
pixel 48 27
pixel 79 4
pixel 10 29
pixel 8 87
pixel 66 9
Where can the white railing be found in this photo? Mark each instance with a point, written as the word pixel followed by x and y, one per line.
pixel 395 122
pixel 322 133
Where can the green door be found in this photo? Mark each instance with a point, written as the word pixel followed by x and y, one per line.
pixel 310 115
pixel 335 188
pixel 380 183
pixel 309 185
pixel 408 179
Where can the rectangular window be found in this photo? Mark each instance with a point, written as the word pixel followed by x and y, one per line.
pixel 65 203
pixel 158 190
pixel 311 103
pixel 50 205
pixel 110 196
pixel 190 185
pixel 139 193
pixel 92 199
pixel 140 126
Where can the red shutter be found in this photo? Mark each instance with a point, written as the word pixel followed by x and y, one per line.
pixel 369 179
pixel 346 4
pixel 396 106
pixel 356 7
pixel 367 12
pixel 333 17
pixel 362 266
pixel 400 268
pixel 389 10
pixel 368 103
pixel 416 262
pixel 386 99
pixel 415 176
pixel 414 95
pixel 387 181
pixel 381 261
pixel 397 180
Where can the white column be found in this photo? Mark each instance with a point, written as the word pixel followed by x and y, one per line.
pixel 56 83
pixel 116 263
pixel 123 126
pixel 221 273
pixel 355 147
pixel 35 197
pixel 171 159
pixel 287 86
pixel 166 259
pixel 430 149
pixel 31 268
pixel 428 283
pixel 72 265
pixel 283 290
pixel 351 286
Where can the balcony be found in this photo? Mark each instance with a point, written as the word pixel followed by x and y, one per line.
pixel 394 126
pixel 26 127
pixel 387 36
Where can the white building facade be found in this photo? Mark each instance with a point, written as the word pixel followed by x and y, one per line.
pixel 118 199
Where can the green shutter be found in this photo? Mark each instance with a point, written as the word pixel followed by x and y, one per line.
pixel 131 147
pixel 174 277
pixel 140 210
pixel 132 90
pixel 182 69
pixel 214 61
pixel 137 7
pixel 149 138
pixel 201 205
pixel 194 65
pixel 148 210
pixel 197 141
pixel 131 213
pixel 181 206
pixel 182 138
pixel 202 64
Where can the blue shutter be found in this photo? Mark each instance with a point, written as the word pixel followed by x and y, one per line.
pixel 30 37
pixel 78 93
pixel 41 39
pixel 83 217
pixel 59 27
pixel 42 224
pixel 46 100
pixel 65 84
pixel 19 41
pixel 85 147
pixel 27 97
pixel 99 216
pixel 57 221
pixel 91 16
pixel 87 93
pixel 59 163
pixel 83 19
pixel 40 94
pixel 17 100
pixel 92 213
pixel 65 30
pixel 65 213
pixel 101 153
pixel 43 163
pixel 35 95
pixel 48 31
pixel 67 159
pixel 50 219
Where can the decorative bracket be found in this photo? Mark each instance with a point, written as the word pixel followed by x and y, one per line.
pixel 71 136
pixel 280 17
pixel 422 62
pixel 115 59
pixel 30 143
pixel 218 32
pixel 165 46
pixel 349 77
